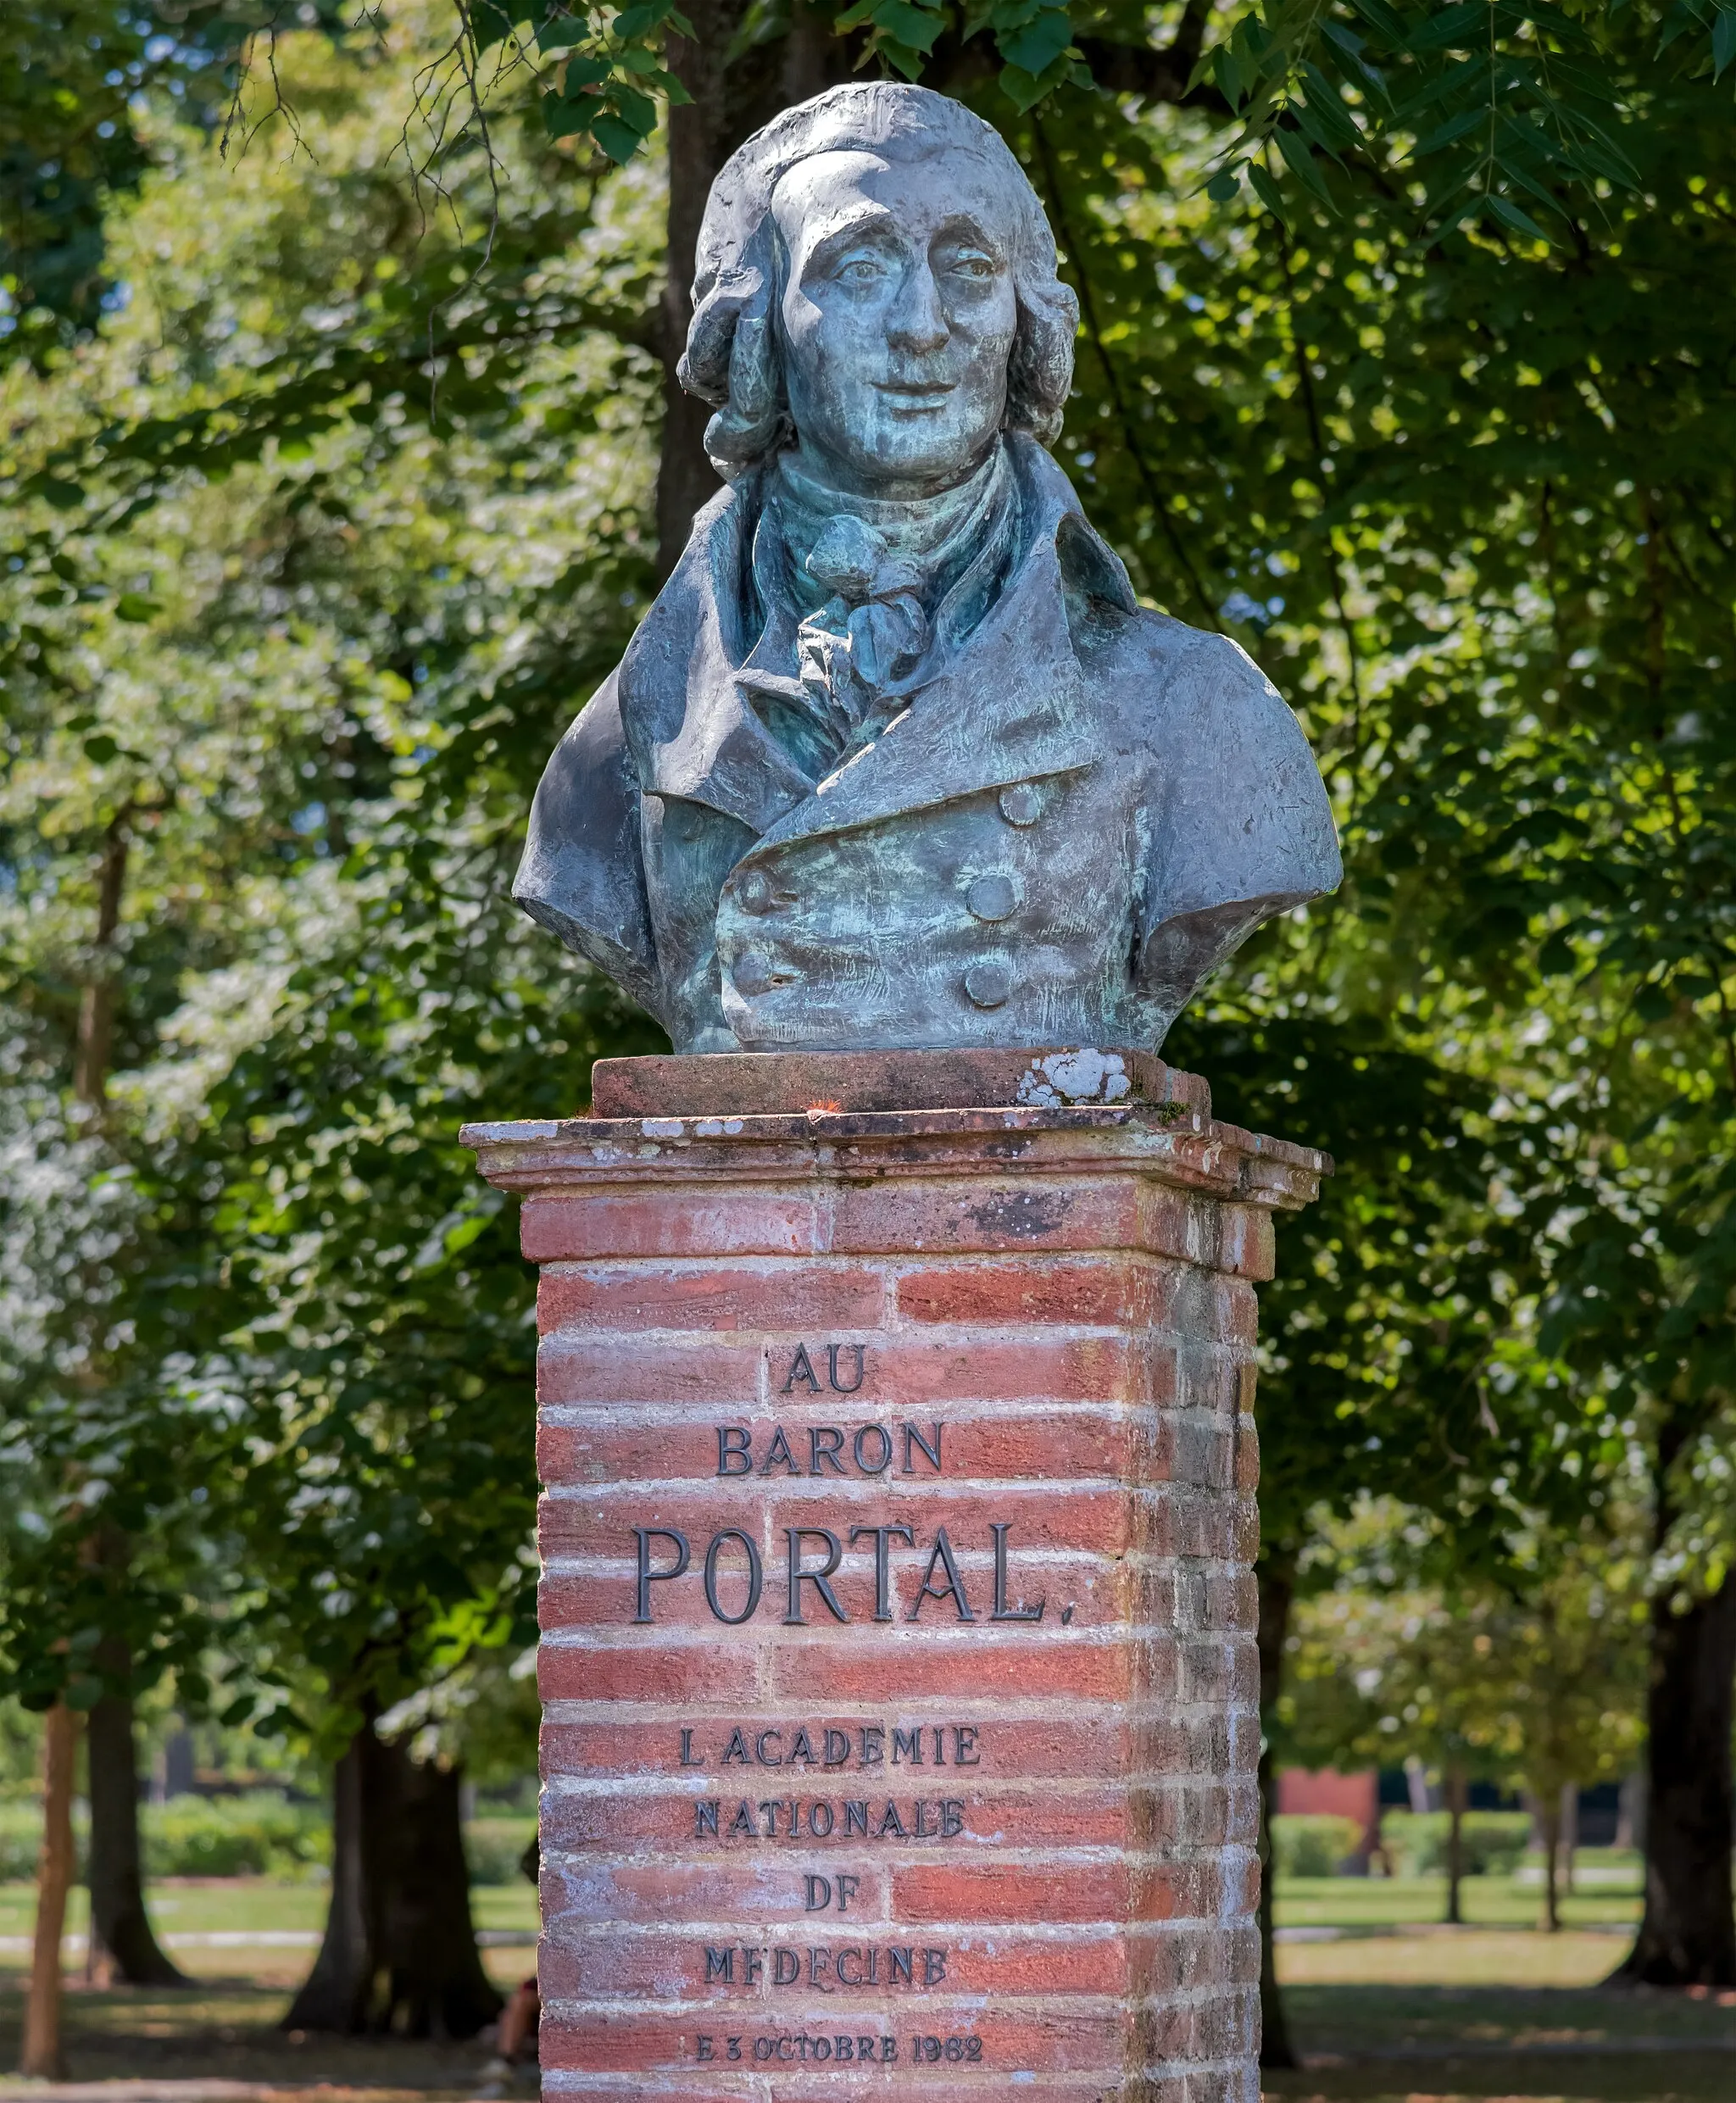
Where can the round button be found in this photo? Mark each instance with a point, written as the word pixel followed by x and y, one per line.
pixel 752 973
pixel 988 983
pixel 754 892
pixel 1021 803
pixel 991 897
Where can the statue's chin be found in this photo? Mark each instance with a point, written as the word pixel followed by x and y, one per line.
pixel 904 463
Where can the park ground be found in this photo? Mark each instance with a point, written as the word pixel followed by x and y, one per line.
pixel 1386 2006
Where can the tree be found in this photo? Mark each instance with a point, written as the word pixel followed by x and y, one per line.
pixel 1347 409
pixel 1534 1679
pixel 311 1279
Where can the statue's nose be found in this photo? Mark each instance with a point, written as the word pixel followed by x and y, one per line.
pixel 918 322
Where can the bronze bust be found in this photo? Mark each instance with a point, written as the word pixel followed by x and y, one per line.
pixel 897 760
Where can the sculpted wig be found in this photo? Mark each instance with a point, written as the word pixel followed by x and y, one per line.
pixel 734 358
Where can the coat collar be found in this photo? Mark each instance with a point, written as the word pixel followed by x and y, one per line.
pixel 1011 706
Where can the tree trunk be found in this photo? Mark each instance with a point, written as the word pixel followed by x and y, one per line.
pixel 1570 1834
pixel 699 146
pixel 1277 1589
pixel 121 1928
pixel 1688 1936
pixel 119 1925
pixel 399 1952
pixel 732 97
pixel 1457 1791
pixel 338 1992
pixel 42 2058
pixel 1548 1818
pixel 436 1984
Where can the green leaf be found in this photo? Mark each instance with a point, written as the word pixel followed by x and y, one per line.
pixel 63 495
pixel 1723 39
pixel 1511 215
pixel 617 138
pixel 135 606
pixel 1328 105
pixel 1268 192
pixel 560 32
pixel 1036 48
pixel 1224 186
pixel 914 27
pixel 1301 164
pixel 1380 17
pixel 582 74
pixel 101 749
pixel 491 23
pixel 636 111
pixel 634 22
pixel 1454 128
pixel 569 119
pixel 1308 118
pixel 1457 27
pixel 1652 1004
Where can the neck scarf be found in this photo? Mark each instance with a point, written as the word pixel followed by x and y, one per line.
pixel 873 595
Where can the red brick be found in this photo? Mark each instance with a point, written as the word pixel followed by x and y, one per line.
pixel 993 1665
pixel 1086 1520
pixel 1084 1324
pixel 661 1672
pixel 910 1372
pixel 984 1215
pixel 1114 1446
pixel 1101 1292
pixel 989 1815
pixel 1247 1455
pixel 649 1963
pixel 597 2041
pixel 1009 1748
pixel 711 1297
pixel 743 1221
pixel 578 1368
pixel 765 1886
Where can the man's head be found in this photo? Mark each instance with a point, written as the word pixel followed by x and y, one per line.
pixel 875 271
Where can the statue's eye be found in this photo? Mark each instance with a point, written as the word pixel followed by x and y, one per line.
pixel 860 269
pixel 973 262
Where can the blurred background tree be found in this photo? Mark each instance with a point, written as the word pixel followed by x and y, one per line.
pixel 342 453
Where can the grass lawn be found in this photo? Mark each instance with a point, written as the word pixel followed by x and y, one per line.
pixel 1386 2005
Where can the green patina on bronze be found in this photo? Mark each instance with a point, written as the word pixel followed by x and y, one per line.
pixel 897 760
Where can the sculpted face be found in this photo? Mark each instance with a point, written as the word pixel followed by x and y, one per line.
pixel 898 317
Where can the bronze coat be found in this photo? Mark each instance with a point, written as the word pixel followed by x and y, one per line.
pixel 1086 811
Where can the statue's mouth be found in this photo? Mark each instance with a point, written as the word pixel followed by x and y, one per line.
pixel 908 395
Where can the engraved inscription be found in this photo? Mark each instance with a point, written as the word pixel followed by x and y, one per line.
pixel 829 1450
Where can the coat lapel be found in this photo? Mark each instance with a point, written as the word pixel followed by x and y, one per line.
pixel 1011 707
pixel 693 733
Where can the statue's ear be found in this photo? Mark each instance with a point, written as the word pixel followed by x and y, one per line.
pixel 731 359
pixel 1090 568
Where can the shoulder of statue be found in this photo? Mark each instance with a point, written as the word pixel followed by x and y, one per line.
pixel 695 619
pixel 1164 682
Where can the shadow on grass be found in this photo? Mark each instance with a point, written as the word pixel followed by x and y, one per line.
pixel 1496 2045
pixel 225 2030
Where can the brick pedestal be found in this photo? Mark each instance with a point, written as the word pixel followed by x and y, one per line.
pixel 900 1702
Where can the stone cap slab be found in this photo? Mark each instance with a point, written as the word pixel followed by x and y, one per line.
pixel 1160 1127
pixel 746 1084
